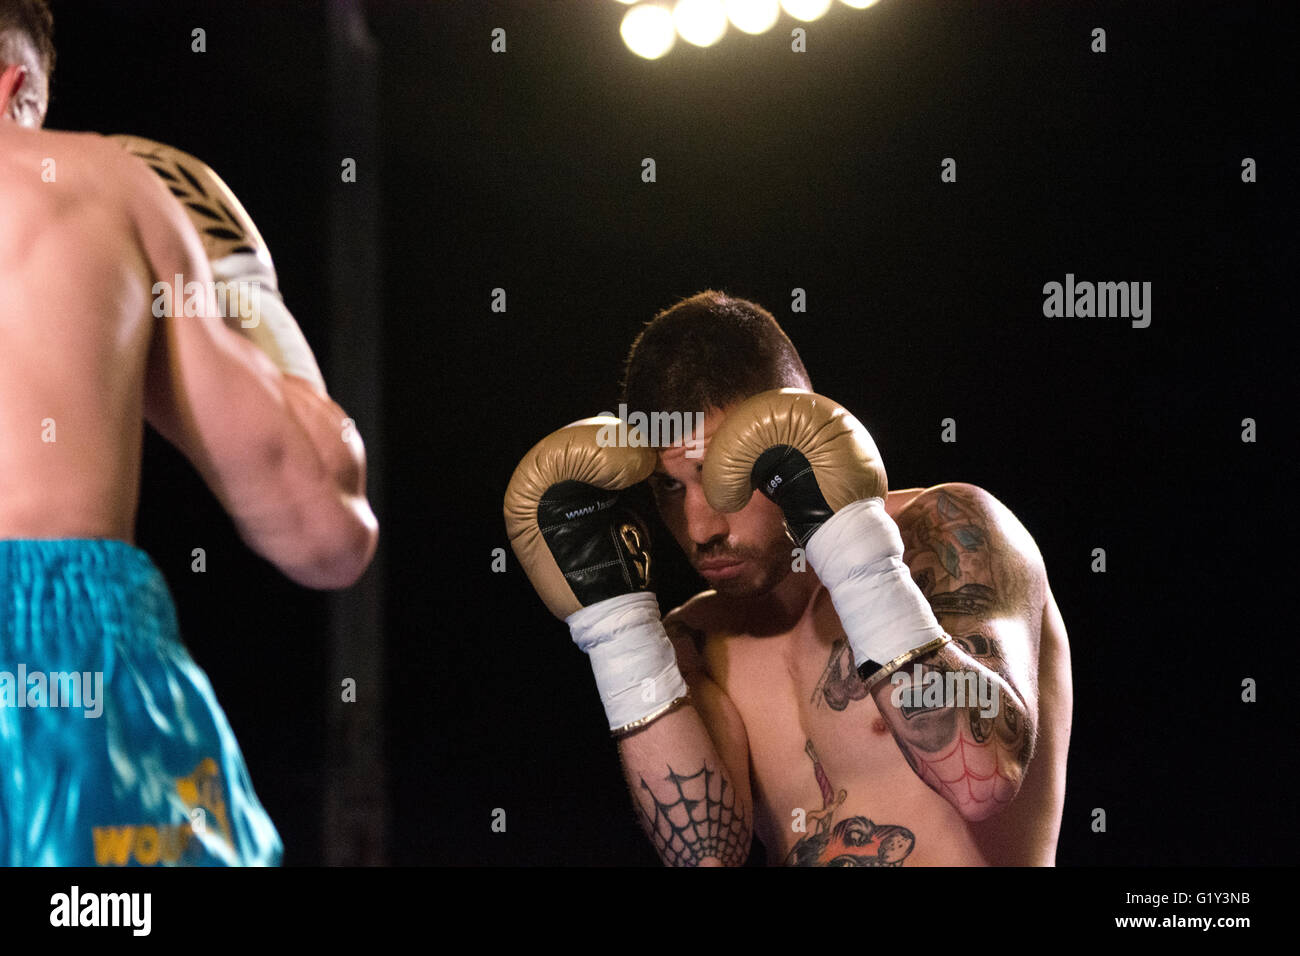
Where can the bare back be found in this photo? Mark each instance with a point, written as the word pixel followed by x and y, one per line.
pixel 76 328
pixel 87 231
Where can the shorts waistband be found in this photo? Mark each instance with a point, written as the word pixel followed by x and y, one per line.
pixel 81 590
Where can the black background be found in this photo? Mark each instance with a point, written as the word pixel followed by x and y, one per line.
pixel 775 171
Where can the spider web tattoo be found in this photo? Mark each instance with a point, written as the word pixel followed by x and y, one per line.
pixel 701 822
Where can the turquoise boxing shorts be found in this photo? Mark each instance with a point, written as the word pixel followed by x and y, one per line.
pixel 113 748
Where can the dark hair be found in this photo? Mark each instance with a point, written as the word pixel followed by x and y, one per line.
pixel 706 352
pixel 34 21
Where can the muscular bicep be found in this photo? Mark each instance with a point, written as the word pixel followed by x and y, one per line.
pixel 208 391
pixel 983 576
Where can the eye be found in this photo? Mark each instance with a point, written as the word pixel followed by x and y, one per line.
pixel 663 485
pixel 855 834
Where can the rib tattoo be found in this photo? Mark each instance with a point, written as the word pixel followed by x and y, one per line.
pixel 854 841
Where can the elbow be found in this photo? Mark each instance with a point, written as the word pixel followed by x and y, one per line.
pixel 346 544
pixel 1001 797
pixel 995 781
pixel 987 798
pixel 343 552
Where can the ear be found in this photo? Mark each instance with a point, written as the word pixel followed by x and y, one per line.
pixel 11 81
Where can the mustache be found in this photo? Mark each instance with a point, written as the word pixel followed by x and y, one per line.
pixel 721 554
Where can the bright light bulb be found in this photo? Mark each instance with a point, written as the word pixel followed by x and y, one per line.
pixel 753 16
pixel 701 22
pixel 648 31
pixel 806 9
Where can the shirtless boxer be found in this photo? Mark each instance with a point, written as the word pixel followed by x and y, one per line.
pixel 776 704
pixel 86 230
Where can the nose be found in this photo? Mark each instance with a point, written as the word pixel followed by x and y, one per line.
pixel 703 524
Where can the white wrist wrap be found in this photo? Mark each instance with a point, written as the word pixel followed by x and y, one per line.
pixel 263 317
pixel 633 660
pixel 858 555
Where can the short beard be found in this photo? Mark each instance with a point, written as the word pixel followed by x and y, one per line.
pixel 768 576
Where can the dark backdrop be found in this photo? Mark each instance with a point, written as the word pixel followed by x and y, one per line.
pixel 775 171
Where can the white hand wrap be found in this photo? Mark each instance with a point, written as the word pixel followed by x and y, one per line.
pixel 633 660
pixel 858 555
pixel 263 317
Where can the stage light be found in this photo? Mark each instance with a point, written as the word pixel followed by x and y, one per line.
pixel 806 9
pixel 648 31
pixel 753 16
pixel 701 22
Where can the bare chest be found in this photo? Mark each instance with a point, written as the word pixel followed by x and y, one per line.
pixel 825 771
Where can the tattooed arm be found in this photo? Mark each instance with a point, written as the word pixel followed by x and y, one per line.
pixel 968 729
pixel 688 771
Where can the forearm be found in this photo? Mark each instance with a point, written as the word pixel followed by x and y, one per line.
pixel 688 804
pixel 962 726
pixel 289 466
pixel 332 435
pixel 323 533
pixel 585 550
